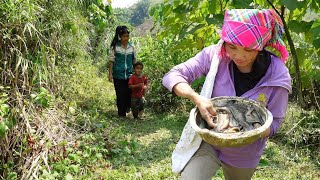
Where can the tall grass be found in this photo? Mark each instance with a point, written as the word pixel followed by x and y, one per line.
pixel 35 37
pixel 26 59
pixel 158 58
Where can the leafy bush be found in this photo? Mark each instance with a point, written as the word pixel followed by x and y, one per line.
pixel 7 118
pixel 158 59
pixel 306 130
pixel 36 37
pixel 43 98
pixel 310 72
pixel 301 129
pixel 85 86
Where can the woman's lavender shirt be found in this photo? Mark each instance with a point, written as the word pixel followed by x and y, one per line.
pixel 272 90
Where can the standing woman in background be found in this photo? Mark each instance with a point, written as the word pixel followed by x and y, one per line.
pixel 121 60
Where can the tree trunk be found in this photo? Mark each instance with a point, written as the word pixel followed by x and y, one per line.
pixel 294 55
pixel 295 60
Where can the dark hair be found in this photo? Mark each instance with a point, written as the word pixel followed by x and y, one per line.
pixel 120 30
pixel 137 64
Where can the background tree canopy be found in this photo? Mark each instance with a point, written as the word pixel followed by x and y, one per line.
pixel 196 24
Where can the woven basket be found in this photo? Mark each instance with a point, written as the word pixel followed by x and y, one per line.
pixel 231 139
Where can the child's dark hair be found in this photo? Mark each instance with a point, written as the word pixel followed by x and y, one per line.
pixel 137 64
pixel 120 30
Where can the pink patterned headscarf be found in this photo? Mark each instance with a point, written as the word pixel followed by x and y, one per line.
pixel 254 29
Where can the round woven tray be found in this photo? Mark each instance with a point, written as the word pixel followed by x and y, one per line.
pixel 231 139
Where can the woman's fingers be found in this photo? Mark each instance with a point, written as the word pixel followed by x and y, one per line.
pixel 210 122
pixel 208 112
pixel 212 110
pixel 206 109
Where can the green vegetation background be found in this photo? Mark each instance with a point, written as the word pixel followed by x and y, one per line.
pixel 57 109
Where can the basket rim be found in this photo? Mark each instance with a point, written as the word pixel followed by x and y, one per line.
pixel 237 135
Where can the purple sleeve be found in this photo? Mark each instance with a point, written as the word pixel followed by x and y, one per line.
pixel 277 105
pixel 190 70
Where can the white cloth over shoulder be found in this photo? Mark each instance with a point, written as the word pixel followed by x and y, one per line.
pixel 190 141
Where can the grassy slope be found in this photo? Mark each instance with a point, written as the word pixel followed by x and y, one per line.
pixel 153 139
pixel 113 148
pixel 142 150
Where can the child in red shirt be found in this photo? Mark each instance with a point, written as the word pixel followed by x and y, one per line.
pixel 138 83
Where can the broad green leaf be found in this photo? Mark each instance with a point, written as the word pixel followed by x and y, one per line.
pixel 182 9
pixel 290 4
pixel 44 90
pixel 299 26
pixel 194 28
pixel 315 33
pixel 301 55
pixel 3 129
pixel 74 168
pixel 178 2
pixel 99 156
pixel 316 43
pixel 167 10
pixel 315 28
pixel 170 21
pixel 4 109
pixel 212 6
pixel 263 162
pixel 73 157
pixel 216 19
pixel 10 122
pixel 241 4
pixel 12 175
pixel 302 4
pixel 261 2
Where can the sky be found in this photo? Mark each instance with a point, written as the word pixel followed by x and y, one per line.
pixel 122 3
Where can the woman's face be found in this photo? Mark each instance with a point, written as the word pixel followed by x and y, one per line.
pixel 242 57
pixel 124 39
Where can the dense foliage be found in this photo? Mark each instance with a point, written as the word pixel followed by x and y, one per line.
pixel 57 107
pixel 196 24
pixel 37 38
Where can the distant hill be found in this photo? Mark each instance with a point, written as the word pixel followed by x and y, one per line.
pixel 144 28
pixel 137 16
pixel 147 25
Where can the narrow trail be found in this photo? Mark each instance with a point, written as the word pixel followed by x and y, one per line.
pixel 141 148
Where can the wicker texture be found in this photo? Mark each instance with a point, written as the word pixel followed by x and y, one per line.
pixel 231 139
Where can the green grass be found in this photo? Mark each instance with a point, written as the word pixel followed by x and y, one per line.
pixel 142 150
pixel 113 148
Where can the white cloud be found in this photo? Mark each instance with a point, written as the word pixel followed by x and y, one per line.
pixel 123 3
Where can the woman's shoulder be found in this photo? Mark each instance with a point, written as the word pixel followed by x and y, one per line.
pixel 279 74
pixel 278 64
pixel 210 49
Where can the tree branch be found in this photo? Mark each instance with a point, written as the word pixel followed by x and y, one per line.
pixel 273 7
pixel 293 52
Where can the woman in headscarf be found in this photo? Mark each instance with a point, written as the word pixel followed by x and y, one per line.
pixel 238 65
